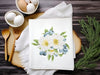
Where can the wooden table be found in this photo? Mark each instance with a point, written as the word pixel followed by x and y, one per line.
pixel 81 8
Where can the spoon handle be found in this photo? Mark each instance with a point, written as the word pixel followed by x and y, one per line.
pixel 12 52
pixel 5 50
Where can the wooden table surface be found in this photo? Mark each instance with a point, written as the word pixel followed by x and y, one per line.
pixel 81 8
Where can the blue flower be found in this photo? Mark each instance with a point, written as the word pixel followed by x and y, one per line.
pixel 43 53
pixel 46 34
pixel 51 32
pixel 64 46
pixel 56 55
pixel 51 47
pixel 64 40
pixel 63 50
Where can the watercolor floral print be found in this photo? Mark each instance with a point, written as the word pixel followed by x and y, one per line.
pixel 52 44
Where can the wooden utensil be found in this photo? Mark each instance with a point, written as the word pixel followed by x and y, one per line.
pixel 16 34
pixel 5 34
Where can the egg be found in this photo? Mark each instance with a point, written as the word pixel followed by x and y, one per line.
pixel 35 2
pixel 30 7
pixel 19 20
pixel 22 5
pixel 10 16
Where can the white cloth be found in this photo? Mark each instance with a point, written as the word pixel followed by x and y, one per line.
pixel 36 29
pixel 22 44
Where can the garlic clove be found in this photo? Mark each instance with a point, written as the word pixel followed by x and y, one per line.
pixel 10 16
pixel 30 7
pixel 19 20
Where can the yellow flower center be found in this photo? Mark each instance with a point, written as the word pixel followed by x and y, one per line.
pixel 45 43
pixel 51 50
pixel 55 41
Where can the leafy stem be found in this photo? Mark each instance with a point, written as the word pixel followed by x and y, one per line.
pixel 91 30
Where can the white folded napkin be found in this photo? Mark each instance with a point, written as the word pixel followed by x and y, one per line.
pixel 22 44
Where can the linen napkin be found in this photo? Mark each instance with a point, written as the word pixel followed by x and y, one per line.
pixel 22 44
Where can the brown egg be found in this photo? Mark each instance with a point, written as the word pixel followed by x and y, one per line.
pixel 22 5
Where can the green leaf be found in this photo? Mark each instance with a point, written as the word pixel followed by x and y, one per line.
pixel 56 50
pixel 35 44
pixel 55 33
pixel 46 30
pixel 39 48
pixel 65 36
pixel 91 65
pixel 83 49
pixel 49 56
pixel 67 45
pixel 52 57
pixel 51 29
pixel 62 33
pixel 49 50
pixel 36 41
pixel 60 55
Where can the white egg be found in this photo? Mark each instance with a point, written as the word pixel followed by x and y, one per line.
pixel 10 16
pixel 19 20
pixel 34 2
pixel 27 1
pixel 30 7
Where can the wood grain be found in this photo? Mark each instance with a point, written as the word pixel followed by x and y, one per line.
pixel 81 8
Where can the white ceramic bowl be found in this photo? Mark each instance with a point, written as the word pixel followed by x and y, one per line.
pixel 16 1
pixel 11 23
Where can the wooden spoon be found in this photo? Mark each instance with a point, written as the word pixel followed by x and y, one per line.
pixel 16 34
pixel 5 34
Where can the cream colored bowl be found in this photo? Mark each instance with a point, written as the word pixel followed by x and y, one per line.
pixel 11 23
pixel 36 6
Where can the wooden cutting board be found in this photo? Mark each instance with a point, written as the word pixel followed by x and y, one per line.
pixel 10 43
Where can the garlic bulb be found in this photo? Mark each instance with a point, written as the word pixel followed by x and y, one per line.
pixel 30 7
pixel 19 20
pixel 10 16
pixel 35 2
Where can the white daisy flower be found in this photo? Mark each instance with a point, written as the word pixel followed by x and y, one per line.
pixel 57 41
pixel 45 43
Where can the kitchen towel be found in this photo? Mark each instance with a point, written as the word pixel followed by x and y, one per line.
pixel 62 10
pixel 51 43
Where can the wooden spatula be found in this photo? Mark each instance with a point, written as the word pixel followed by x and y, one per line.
pixel 16 34
pixel 5 34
